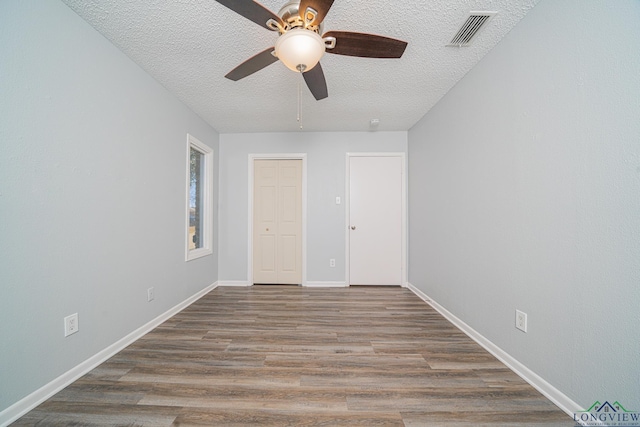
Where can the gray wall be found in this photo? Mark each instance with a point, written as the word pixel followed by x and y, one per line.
pixel 525 194
pixel 92 195
pixel 326 155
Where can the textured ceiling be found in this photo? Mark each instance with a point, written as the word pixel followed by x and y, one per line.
pixel 189 45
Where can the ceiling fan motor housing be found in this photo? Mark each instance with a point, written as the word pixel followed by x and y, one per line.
pixel 290 15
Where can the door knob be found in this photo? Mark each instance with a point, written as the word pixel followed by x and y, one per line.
pixel 353 227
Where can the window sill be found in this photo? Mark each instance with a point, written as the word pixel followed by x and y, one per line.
pixel 198 253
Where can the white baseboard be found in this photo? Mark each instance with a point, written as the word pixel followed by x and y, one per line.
pixel 234 283
pixel 325 284
pixel 561 400
pixel 21 407
pixel 309 284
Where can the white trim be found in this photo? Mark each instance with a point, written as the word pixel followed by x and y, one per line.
pixel 561 400
pixel 29 402
pixel 207 202
pixel 326 284
pixel 276 156
pixel 402 155
pixel 234 283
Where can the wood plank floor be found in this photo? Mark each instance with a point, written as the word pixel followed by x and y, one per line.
pixel 293 356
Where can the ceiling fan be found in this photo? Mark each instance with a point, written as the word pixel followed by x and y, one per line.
pixel 300 45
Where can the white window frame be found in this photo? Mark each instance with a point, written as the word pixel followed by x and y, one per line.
pixel 207 200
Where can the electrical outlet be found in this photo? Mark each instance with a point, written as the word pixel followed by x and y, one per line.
pixel 332 262
pixel 521 320
pixel 71 324
pixel 151 294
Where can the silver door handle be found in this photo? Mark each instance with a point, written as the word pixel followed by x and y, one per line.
pixel 353 227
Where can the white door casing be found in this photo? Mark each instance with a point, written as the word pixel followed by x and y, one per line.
pixel 376 228
pixel 276 243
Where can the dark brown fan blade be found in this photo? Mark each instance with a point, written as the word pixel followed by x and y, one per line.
pixel 365 45
pixel 316 82
pixel 252 11
pixel 320 6
pixel 251 65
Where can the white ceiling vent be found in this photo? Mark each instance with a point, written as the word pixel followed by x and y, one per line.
pixel 475 22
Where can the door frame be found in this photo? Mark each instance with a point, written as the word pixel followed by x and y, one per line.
pixel 277 156
pixel 403 261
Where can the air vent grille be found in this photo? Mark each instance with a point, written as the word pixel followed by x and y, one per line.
pixel 470 28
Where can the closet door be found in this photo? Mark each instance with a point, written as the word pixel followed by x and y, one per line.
pixel 277 222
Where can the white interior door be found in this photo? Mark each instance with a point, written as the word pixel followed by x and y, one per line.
pixel 375 220
pixel 277 222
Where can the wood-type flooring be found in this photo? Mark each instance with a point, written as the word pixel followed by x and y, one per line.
pixel 293 356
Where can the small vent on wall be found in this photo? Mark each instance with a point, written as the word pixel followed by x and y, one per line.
pixel 470 28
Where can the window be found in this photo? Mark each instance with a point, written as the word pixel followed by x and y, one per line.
pixel 199 199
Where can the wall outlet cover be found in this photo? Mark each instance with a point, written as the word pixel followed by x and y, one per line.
pixel 521 320
pixel 71 324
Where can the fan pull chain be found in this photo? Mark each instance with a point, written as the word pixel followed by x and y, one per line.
pixel 300 102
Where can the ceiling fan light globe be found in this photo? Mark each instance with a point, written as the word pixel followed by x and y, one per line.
pixel 300 49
